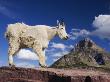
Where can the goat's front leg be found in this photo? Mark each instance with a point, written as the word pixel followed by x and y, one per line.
pixel 41 55
pixel 43 59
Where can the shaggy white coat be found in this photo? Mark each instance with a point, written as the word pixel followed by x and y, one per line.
pixel 36 37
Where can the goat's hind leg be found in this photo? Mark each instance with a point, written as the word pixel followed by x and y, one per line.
pixel 13 49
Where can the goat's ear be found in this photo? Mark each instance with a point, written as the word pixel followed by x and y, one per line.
pixel 63 23
pixel 57 22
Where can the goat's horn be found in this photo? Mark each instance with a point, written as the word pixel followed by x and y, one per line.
pixel 57 21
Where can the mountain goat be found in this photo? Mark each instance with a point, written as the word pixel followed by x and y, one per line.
pixel 36 37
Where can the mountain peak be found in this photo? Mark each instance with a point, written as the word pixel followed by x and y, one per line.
pixel 85 54
pixel 87 42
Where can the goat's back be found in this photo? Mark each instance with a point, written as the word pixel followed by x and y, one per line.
pixel 14 30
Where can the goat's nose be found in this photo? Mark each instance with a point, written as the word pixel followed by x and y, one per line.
pixel 67 37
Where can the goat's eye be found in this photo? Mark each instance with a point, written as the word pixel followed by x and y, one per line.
pixel 61 28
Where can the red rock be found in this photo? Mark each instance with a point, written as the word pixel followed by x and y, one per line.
pixel 17 74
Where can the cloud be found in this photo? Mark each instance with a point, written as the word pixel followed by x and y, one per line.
pixel 25 64
pixel 5 11
pixel 50 50
pixel 56 56
pixel 70 46
pixel 2 63
pixel 75 33
pixel 27 54
pixel 57 50
pixel 102 25
pixel 58 45
pixel 55 59
pixel 59 54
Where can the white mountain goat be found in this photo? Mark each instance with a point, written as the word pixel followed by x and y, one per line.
pixel 36 37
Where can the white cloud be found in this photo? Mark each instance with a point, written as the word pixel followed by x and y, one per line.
pixel 50 50
pixel 2 63
pixel 70 47
pixel 27 54
pixel 56 54
pixel 5 11
pixel 75 33
pixel 60 54
pixel 102 24
pixel 58 45
pixel 55 59
pixel 25 64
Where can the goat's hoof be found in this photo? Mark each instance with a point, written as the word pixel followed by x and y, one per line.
pixel 43 66
pixel 12 65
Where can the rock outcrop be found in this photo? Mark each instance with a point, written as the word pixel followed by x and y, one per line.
pixel 17 74
pixel 84 54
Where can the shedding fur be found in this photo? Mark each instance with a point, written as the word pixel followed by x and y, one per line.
pixel 36 37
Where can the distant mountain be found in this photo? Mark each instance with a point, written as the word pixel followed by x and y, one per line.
pixel 85 54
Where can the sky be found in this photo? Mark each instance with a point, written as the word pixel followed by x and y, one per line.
pixel 83 18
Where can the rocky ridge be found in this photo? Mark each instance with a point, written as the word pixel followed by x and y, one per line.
pixel 85 54
pixel 17 74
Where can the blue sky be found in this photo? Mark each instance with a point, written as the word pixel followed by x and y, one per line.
pixel 82 17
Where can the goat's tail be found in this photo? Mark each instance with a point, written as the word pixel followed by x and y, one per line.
pixel 7 33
